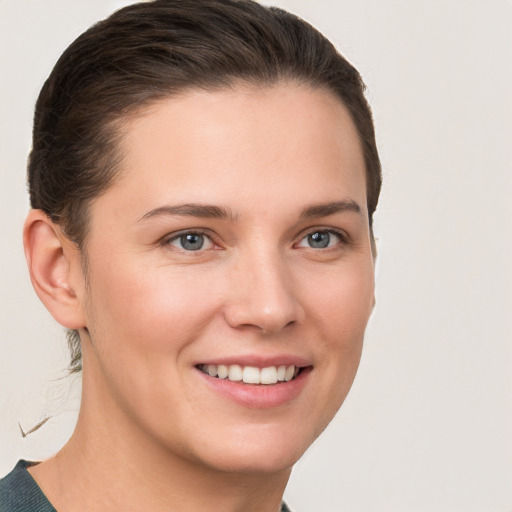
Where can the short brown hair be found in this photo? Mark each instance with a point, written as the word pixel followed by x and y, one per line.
pixel 151 50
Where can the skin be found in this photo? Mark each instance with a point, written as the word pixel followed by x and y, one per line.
pixel 151 434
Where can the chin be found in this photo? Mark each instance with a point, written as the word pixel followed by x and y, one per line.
pixel 254 463
pixel 262 454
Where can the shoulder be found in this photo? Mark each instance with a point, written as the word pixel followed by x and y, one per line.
pixel 19 492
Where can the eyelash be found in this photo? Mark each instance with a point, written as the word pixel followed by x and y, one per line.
pixel 342 237
pixel 167 241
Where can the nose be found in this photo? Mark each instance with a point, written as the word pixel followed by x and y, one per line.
pixel 263 295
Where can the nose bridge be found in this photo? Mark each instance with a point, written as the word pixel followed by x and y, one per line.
pixel 264 294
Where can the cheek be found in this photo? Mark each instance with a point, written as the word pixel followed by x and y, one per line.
pixel 154 307
pixel 340 312
pixel 141 326
pixel 342 301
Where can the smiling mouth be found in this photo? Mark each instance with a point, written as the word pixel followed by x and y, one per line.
pixel 268 375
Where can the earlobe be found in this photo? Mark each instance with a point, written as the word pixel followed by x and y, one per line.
pixel 55 269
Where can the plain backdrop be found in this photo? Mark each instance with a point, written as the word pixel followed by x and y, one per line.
pixel 428 423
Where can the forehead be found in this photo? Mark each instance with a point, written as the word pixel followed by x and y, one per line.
pixel 242 145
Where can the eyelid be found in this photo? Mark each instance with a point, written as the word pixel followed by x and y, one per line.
pixel 171 237
pixel 341 234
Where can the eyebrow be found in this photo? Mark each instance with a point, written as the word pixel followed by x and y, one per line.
pixel 325 209
pixel 204 211
pixel 207 211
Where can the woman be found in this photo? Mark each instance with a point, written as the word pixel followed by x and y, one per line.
pixel 203 179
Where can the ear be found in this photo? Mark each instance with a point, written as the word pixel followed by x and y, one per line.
pixel 54 263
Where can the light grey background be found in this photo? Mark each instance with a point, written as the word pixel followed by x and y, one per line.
pixel 428 424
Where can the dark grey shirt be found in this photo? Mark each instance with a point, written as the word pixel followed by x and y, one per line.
pixel 20 493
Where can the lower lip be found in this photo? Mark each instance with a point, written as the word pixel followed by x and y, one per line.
pixel 259 396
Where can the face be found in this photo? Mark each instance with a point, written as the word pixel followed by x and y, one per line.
pixel 234 246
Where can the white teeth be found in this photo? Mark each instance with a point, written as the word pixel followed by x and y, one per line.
pixel 251 374
pixel 289 373
pixel 222 371
pixel 235 372
pixel 268 375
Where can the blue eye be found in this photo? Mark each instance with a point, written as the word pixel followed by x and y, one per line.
pixel 320 240
pixel 191 241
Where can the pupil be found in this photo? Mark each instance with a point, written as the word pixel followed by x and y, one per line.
pixel 319 240
pixel 192 242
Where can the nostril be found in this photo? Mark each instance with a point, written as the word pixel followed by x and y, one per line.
pixel 269 332
pixel 267 303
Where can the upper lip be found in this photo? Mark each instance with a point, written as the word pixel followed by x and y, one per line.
pixel 258 361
